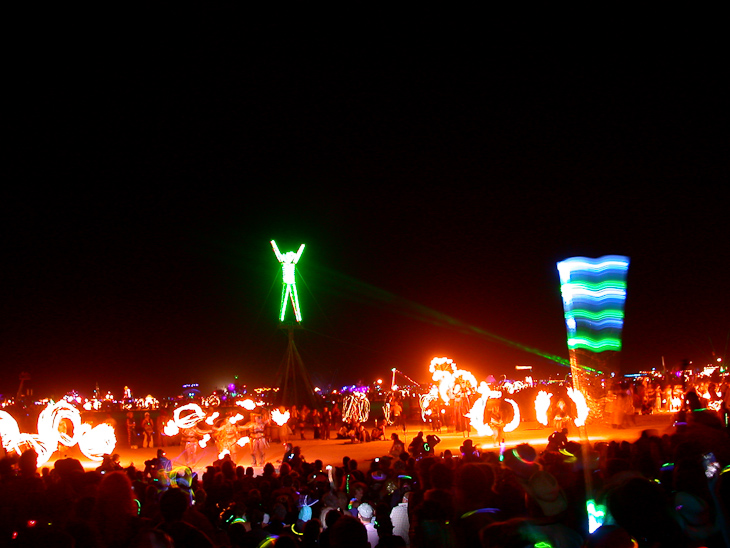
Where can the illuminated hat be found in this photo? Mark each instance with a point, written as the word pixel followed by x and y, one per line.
pixel 524 469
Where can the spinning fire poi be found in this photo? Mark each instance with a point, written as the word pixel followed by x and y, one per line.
pixel 455 387
pixel 227 435
pixel 59 425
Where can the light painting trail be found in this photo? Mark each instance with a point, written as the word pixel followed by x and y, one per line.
pixel 355 406
pixel 9 430
pixel 445 373
pixel 53 430
pixel 50 423
pixel 98 441
pixel 288 262
pixel 447 376
pixel 425 401
pixel 226 436
pixel 581 406
pixel 594 293
pixel 190 419
pixel 478 410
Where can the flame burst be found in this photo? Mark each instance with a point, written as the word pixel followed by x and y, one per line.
pixel 98 441
pixel 581 406
pixel 93 442
pixel 542 404
pixel 280 418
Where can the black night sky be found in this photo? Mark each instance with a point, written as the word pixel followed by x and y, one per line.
pixel 434 177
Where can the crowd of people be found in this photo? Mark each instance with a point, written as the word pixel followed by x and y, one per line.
pixel 662 490
pixel 644 397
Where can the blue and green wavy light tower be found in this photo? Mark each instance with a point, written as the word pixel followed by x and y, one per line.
pixel 594 293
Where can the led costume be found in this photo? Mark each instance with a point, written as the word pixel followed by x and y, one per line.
pixel 288 262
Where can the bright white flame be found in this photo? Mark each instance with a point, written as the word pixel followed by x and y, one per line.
pixel 191 419
pixel 223 453
pixel 170 428
pixel 476 417
pixel 248 404
pixel 243 441
pixel 9 430
pixel 542 404
pixel 204 442
pixel 580 405
pixel 446 376
pixel 212 418
pixel 92 442
pixel 280 418
pixel 97 441
pixel 50 419
pixel 27 441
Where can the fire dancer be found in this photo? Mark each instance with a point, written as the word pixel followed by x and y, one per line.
pixel 496 423
pixel 562 417
pixel 190 437
pixel 258 440
pixel 227 435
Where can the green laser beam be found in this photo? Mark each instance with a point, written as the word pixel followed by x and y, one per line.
pixel 356 290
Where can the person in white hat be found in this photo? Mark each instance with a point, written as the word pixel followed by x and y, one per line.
pixel 365 513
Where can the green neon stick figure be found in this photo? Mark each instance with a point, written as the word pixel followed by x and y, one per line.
pixel 288 262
